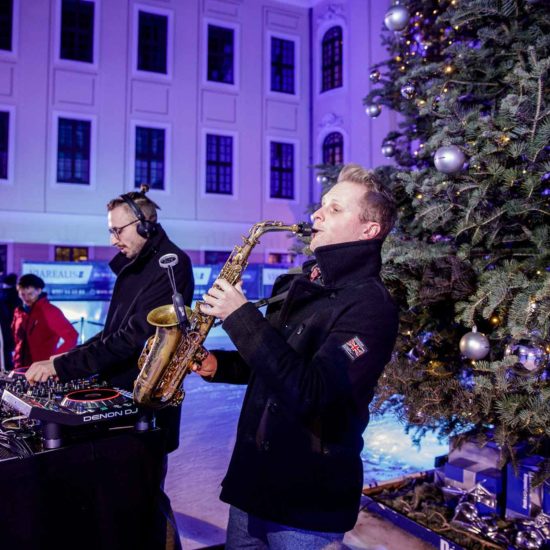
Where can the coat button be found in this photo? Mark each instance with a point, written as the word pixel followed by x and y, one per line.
pixel 300 329
pixel 273 407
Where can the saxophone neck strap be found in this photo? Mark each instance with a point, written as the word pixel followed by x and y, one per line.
pixel 273 300
pixel 261 303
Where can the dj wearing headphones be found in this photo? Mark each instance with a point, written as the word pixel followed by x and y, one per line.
pixel 141 285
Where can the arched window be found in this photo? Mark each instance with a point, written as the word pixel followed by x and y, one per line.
pixel 333 148
pixel 332 59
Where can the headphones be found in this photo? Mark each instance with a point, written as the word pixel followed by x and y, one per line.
pixel 145 228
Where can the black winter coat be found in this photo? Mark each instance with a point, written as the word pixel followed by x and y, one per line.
pixel 141 286
pixel 311 368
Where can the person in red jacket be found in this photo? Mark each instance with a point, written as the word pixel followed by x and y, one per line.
pixel 39 328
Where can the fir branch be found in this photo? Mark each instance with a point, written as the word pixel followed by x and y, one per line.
pixel 539 97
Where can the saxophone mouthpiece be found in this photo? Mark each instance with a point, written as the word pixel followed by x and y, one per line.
pixel 304 229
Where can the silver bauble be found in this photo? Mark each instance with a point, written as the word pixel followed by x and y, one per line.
pixel 474 345
pixel 397 18
pixel 449 159
pixel 374 75
pixel 373 110
pixel 322 179
pixel 388 148
pixel 531 356
pixel 408 91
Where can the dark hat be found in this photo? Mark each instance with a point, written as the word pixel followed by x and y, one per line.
pixel 10 279
pixel 25 281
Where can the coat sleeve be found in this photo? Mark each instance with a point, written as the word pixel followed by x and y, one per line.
pixel 18 333
pixel 61 327
pixel 232 368
pixel 105 355
pixel 308 386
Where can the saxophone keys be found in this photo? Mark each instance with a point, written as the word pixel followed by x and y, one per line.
pixel 201 354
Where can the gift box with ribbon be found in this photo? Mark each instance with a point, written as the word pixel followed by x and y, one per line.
pixel 523 500
pixel 464 474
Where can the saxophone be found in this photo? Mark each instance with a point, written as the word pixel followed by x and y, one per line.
pixel 169 354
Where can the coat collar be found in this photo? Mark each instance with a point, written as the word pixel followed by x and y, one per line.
pixel 345 263
pixel 41 300
pixel 151 247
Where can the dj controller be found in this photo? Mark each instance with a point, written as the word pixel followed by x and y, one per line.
pixel 49 414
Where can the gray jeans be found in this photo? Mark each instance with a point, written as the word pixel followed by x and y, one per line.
pixel 245 531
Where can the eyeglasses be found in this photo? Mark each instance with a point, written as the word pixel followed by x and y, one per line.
pixel 116 231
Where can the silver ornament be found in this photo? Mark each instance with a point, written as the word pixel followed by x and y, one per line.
pixel 474 345
pixel 408 91
pixel 397 18
pixel 373 110
pixel 388 148
pixel 531 356
pixel 322 179
pixel 449 159
pixel 374 75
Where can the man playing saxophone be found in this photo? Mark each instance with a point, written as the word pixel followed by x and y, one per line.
pixel 311 366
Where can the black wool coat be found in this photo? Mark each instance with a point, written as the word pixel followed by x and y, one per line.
pixel 311 366
pixel 141 286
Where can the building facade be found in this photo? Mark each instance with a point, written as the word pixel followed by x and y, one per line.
pixel 221 106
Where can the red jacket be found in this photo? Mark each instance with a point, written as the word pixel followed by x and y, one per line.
pixel 37 333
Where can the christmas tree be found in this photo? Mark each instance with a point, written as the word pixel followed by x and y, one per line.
pixel 470 80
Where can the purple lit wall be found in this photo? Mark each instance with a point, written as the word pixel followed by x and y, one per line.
pixel 38 88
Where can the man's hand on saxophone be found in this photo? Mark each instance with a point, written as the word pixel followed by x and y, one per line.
pixel 223 299
pixel 208 367
pixel 220 301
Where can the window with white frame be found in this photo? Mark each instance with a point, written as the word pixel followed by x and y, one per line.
pixel 152 53
pixel 6 24
pixel 73 150
pixel 283 65
pixel 221 54
pixel 77 30
pixel 150 157
pixel 219 164
pixel 280 258
pixel 281 170
pixel 71 254
pixel 4 144
pixel 333 148
pixel 332 59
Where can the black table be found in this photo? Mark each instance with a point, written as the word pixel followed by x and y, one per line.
pixel 96 494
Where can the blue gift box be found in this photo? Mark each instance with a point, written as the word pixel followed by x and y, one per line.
pixel 488 453
pixel 465 474
pixel 522 499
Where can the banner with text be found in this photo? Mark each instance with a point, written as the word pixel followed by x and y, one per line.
pixel 74 280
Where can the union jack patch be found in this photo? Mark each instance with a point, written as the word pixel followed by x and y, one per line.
pixel 354 348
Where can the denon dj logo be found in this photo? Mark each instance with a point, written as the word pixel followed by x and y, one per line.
pixel 108 415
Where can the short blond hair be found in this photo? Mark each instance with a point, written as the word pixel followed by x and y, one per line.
pixel 378 204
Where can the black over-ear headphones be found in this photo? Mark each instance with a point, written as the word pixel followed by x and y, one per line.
pixel 145 228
